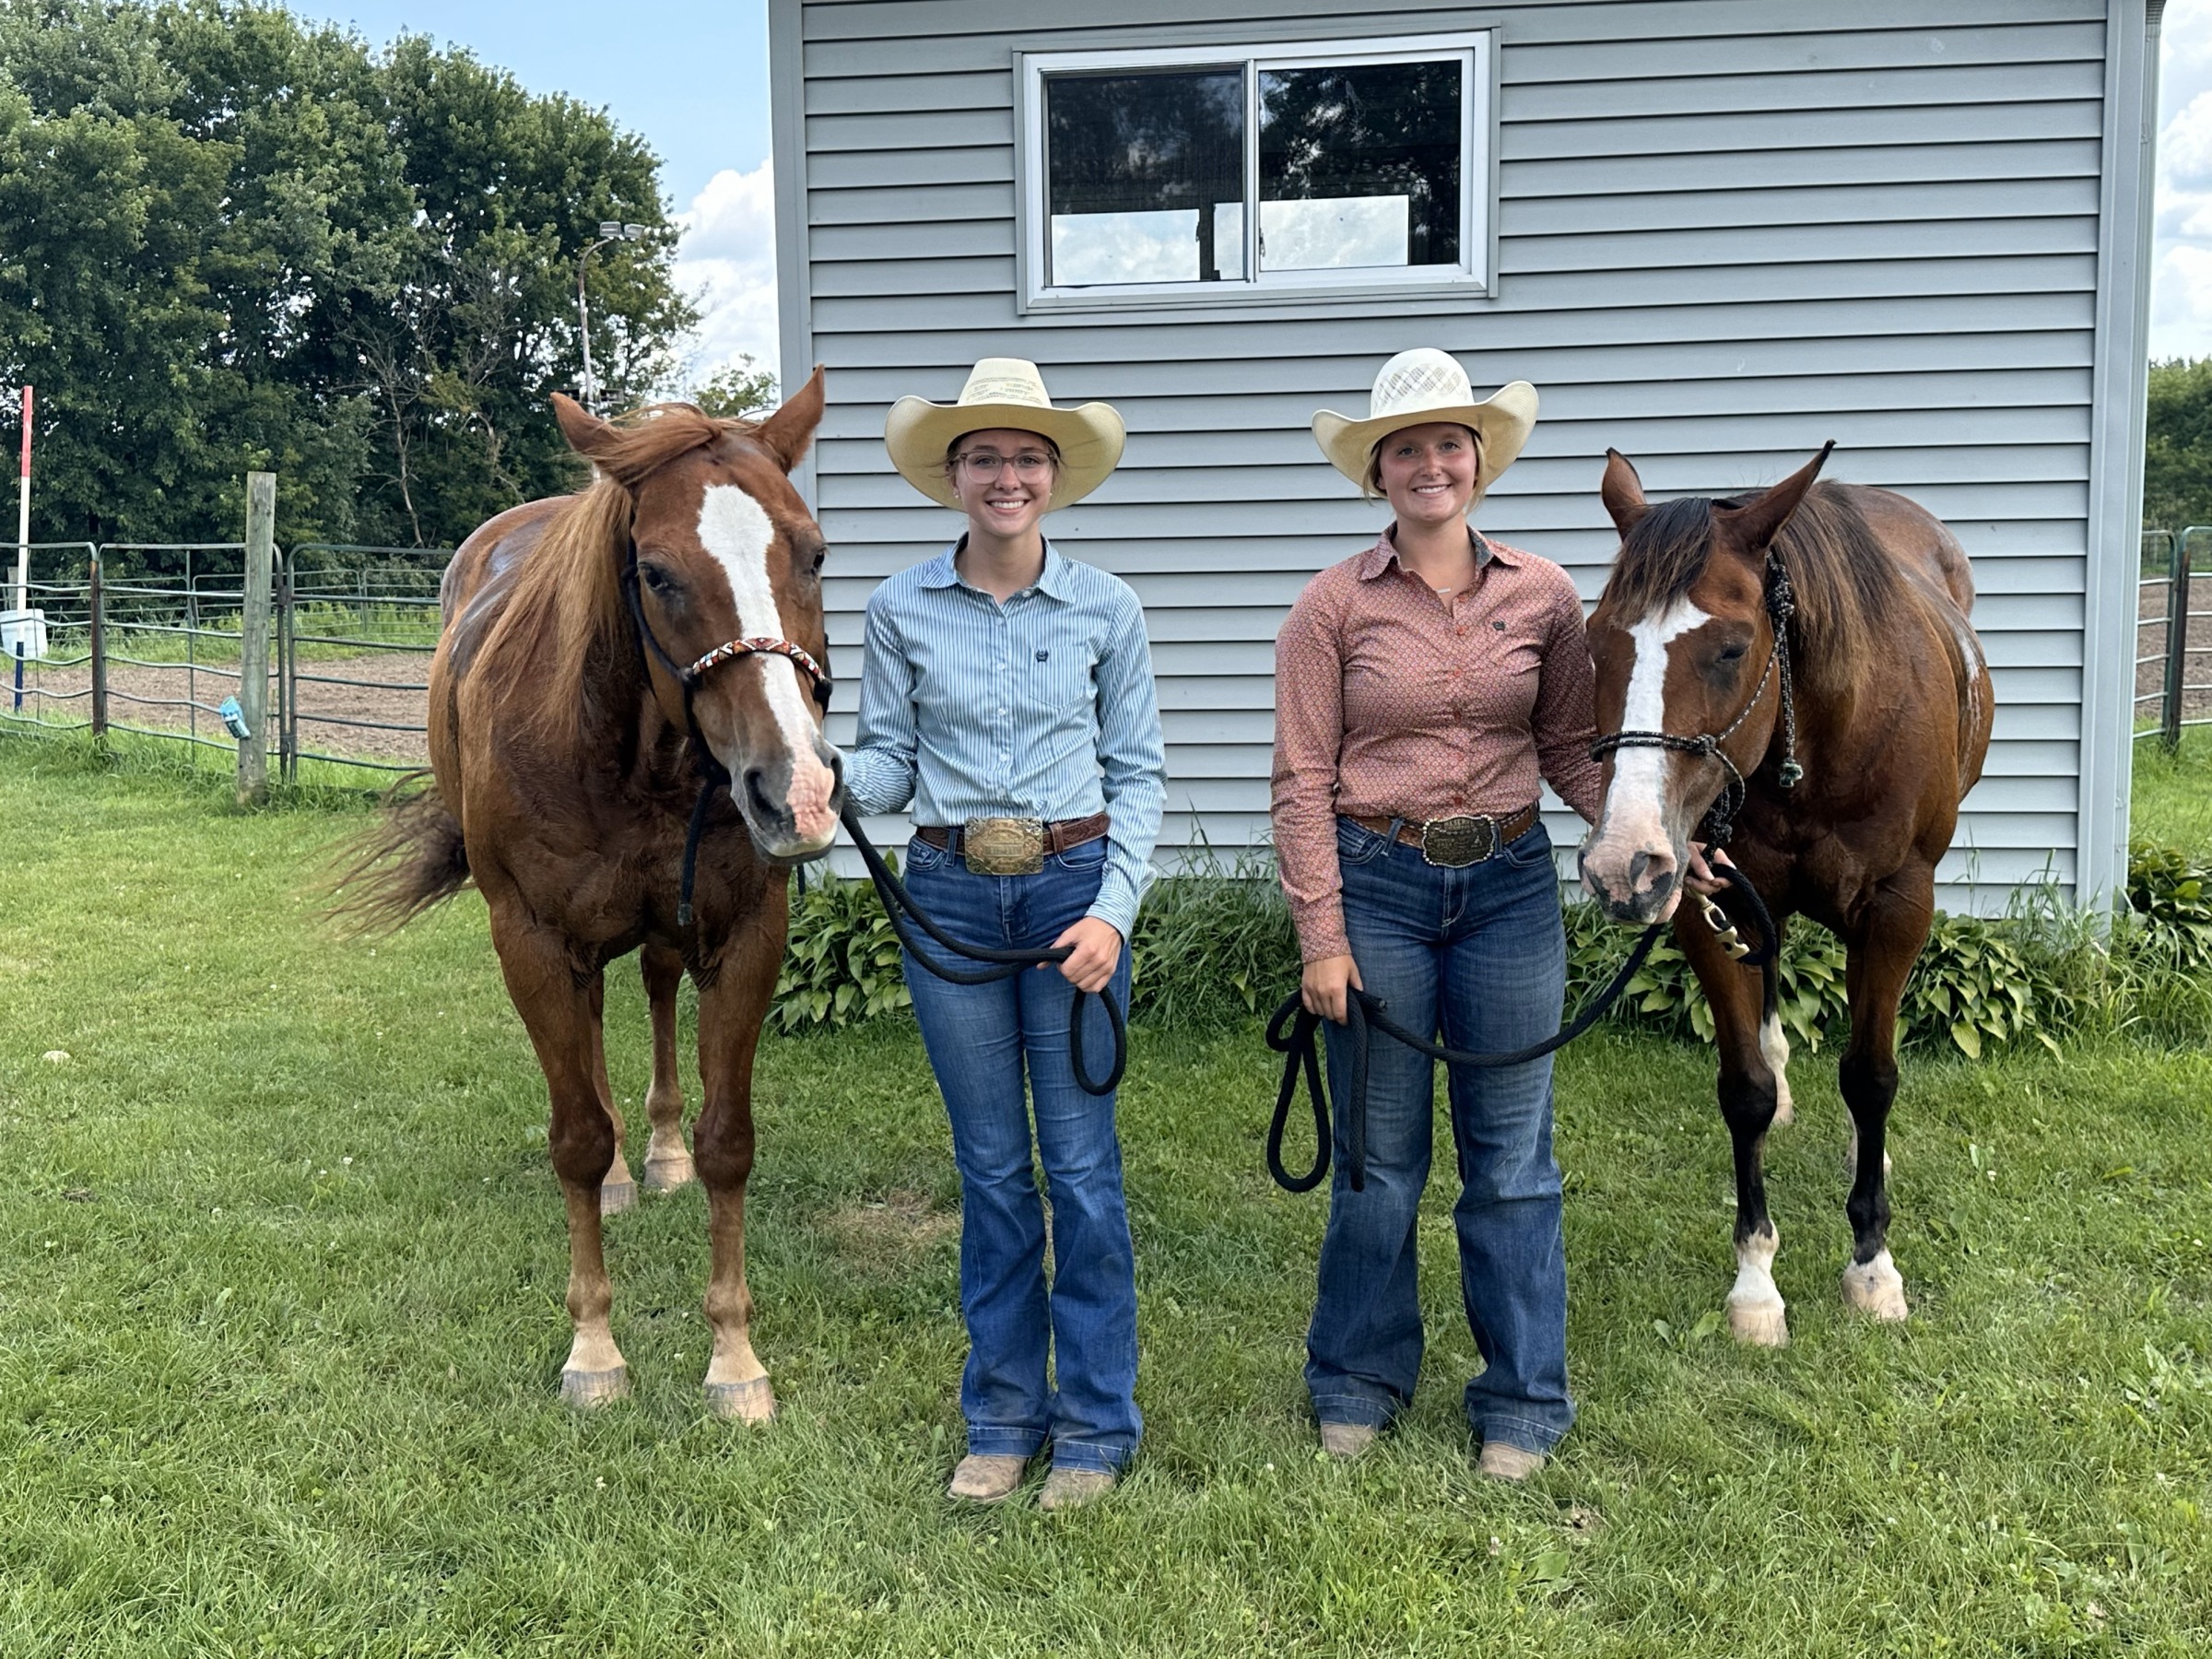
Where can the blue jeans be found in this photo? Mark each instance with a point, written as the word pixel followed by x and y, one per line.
pixel 1477 953
pixel 981 1039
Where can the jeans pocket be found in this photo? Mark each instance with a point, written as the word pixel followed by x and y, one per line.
pixel 1357 844
pixel 1086 859
pixel 1533 847
pixel 922 855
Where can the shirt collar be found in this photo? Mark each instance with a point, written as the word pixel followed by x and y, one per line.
pixel 1052 582
pixel 1384 553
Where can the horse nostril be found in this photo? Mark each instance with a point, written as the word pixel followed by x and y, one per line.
pixel 756 791
pixel 1637 866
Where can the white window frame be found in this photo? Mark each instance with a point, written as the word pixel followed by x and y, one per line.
pixel 1473 278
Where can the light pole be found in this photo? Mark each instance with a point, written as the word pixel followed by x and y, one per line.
pixel 610 230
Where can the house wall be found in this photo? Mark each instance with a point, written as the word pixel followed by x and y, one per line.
pixel 1727 231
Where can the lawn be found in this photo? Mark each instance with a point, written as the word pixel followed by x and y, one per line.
pixel 280 1328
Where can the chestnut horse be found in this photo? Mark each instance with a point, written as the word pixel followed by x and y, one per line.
pixel 1799 662
pixel 592 645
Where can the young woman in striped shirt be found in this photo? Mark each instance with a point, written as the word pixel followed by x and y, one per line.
pixel 1423 688
pixel 1007 692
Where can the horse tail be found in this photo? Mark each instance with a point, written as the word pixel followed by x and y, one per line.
pixel 411 858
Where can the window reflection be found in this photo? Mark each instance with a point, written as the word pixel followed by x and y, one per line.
pixel 1360 166
pixel 1143 171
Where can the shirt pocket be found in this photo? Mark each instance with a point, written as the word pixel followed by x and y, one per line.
pixel 1060 678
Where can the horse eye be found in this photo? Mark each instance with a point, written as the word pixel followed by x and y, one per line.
pixel 659 580
pixel 1733 653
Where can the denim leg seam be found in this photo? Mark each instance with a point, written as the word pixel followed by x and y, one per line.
pixel 1544 1435
pixel 1366 1410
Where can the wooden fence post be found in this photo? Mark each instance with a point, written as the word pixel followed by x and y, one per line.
pixel 2177 645
pixel 253 637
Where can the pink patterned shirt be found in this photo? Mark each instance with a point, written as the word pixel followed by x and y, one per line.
pixel 1391 702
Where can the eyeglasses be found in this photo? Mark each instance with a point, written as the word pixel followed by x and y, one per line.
pixel 989 464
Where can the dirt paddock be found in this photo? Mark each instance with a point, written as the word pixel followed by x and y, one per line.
pixel 153 696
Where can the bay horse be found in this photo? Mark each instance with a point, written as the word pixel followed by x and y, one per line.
pixel 1799 662
pixel 597 648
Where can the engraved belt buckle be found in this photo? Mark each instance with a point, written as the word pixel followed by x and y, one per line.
pixel 1456 842
pixel 1004 846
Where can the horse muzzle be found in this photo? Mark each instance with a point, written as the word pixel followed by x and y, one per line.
pixel 789 801
pixel 1638 888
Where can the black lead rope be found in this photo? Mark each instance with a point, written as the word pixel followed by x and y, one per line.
pixel 1291 1033
pixel 898 905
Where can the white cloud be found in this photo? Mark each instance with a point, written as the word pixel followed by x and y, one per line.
pixel 727 261
pixel 2181 280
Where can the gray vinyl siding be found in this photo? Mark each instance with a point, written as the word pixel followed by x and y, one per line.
pixel 1727 231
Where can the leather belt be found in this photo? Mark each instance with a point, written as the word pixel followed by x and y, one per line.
pixel 1456 842
pixel 1013 846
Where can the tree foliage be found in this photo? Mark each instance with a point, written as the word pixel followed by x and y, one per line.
pixel 232 242
pixel 2177 461
pixel 738 389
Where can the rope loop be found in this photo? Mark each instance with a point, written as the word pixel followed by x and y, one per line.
pixel 1292 1032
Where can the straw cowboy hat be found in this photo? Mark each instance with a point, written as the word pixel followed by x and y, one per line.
pixel 1420 386
pixel 1003 391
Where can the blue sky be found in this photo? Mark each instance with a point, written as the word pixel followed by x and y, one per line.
pixel 692 77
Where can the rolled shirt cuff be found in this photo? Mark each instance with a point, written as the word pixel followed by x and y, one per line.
pixel 1116 903
pixel 1320 924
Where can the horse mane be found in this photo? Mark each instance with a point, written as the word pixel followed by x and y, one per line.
pixel 1848 589
pixel 566 615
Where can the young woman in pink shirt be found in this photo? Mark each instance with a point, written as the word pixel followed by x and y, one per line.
pixel 1423 690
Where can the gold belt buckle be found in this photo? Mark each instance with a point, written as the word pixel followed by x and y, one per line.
pixel 1453 843
pixel 1003 846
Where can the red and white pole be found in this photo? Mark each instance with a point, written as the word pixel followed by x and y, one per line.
pixel 23 516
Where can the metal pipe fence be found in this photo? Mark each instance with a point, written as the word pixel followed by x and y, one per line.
pixel 2164 608
pixel 149 638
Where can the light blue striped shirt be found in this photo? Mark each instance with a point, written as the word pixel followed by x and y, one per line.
pixel 1042 707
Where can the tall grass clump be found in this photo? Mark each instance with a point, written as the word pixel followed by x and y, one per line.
pixel 1214 943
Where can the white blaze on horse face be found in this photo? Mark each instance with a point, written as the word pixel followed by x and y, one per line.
pixel 1634 818
pixel 736 530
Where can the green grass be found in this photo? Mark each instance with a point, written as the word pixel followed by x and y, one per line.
pixel 282 1266
pixel 2173 793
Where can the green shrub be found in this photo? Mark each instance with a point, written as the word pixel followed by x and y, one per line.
pixel 2172 897
pixel 1665 993
pixel 1972 983
pixel 1212 943
pixel 842 962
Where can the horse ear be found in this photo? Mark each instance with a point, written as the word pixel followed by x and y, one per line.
pixel 586 433
pixel 1756 524
pixel 1622 493
pixel 789 431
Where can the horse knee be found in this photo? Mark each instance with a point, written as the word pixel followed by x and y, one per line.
pixel 582 1142
pixel 721 1153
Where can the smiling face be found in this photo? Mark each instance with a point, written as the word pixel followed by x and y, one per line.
pixel 1428 473
pixel 1003 479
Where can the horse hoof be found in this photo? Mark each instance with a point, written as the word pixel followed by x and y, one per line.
pixel 587 1389
pixel 1760 1323
pixel 749 1402
pixel 616 1198
pixel 1876 1288
pixel 666 1174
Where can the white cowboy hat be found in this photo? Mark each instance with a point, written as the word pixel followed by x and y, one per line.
pixel 1003 391
pixel 1420 386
